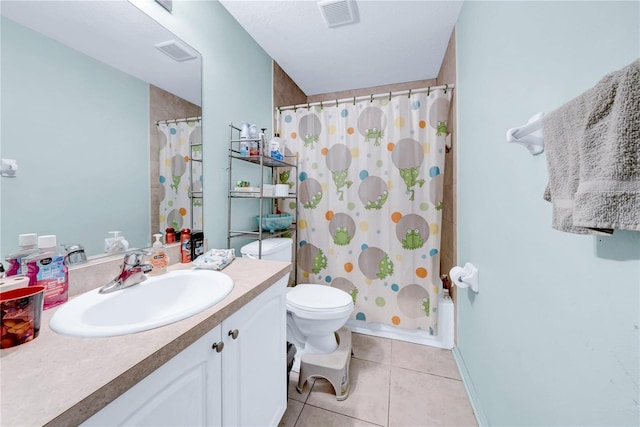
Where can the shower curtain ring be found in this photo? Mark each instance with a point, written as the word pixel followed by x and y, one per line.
pixel 371 99
pixel 409 94
pixel 446 86
pixel 321 106
pixel 336 103
pixel 389 96
pixel 428 90
pixel 308 106
pixel 354 100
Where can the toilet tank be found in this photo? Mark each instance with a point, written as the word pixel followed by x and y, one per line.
pixel 276 249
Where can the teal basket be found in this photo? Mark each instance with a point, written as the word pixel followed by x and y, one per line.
pixel 275 222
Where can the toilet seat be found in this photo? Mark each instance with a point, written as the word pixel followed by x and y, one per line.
pixel 318 301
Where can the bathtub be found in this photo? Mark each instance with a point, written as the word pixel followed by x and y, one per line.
pixel 444 338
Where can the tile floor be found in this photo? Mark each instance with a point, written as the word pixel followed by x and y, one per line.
pixel 393 384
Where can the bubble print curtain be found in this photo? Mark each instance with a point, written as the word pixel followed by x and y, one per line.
pixel 369 202
pixel 175 161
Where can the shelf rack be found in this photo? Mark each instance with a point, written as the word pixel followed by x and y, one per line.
pixel 264 162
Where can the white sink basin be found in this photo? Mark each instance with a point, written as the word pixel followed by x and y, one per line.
pixel 157 301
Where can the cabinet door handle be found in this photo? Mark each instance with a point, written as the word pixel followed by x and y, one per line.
pixel 234 333
pixel 218 346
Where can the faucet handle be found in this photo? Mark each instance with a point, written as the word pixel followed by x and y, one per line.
pixel 135 257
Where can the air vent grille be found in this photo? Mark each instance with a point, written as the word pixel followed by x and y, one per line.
pixel 176 50
pixel 338 12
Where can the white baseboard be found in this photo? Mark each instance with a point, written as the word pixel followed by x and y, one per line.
pixel 471 391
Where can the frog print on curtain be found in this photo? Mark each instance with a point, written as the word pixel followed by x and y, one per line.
pixel 369 202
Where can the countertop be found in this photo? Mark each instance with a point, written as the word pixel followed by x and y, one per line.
pixel 60 380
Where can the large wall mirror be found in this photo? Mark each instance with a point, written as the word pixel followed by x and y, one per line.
pixel 82 87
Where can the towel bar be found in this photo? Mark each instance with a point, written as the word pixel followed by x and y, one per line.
pixel 529 135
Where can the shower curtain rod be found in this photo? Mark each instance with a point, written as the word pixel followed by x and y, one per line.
pixel 369 97
pixel 187 119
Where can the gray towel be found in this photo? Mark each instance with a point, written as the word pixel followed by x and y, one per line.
pixel 592 145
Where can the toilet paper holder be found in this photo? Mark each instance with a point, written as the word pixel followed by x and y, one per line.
pixel 465 277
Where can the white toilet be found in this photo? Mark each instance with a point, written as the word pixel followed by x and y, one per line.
pixel 314 312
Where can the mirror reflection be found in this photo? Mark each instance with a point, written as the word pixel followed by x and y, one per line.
pixel 83 86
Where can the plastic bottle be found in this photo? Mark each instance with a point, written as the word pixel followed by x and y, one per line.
pixel 48 268
pixel 275 148
pixel 244 148
pixel 197 244
pixel 115 244
pixel 159 259
pixel 185 245
pixel 169 235
pixel 28 245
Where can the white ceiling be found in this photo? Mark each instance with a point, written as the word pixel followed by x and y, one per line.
pixel 115 33
pixel 392 41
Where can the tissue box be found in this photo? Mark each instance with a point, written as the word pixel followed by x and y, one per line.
pixel 268 190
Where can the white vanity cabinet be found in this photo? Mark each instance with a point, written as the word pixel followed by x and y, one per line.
pixel 254 365
pixel 242 384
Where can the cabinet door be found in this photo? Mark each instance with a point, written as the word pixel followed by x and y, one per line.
pixel 184 391
pixel 254 371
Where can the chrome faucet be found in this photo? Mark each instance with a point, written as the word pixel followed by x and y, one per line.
pixel 132 272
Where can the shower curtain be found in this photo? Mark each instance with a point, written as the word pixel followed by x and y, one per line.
pixel 370 182
pixel 180 151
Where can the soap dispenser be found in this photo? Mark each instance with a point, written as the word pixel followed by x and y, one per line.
pixel 159 259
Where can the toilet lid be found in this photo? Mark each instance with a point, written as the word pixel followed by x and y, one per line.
pixel 318 297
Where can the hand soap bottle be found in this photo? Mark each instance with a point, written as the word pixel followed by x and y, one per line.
pixel 48 268
pixel 159 259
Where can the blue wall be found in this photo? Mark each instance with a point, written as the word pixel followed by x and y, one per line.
pixel 79 131
pixel 552 337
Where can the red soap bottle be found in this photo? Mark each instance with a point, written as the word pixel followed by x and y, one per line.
pixel 185 245
pixel 170 235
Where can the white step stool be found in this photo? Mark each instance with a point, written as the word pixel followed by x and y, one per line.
pixel 334 367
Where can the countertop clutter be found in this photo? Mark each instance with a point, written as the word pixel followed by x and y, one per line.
pixel 60 380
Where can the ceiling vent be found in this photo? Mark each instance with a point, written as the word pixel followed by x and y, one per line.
pixel 177 51
pixel 338 12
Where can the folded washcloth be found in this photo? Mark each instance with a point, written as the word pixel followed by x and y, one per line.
pixel 215 259
pixel 593 157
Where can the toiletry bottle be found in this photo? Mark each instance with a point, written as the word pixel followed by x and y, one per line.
pixel 170 235
pixel 28 245
pixel 185 245
pixel 275 148
pixel 197 244
pixel 254 148
pixel 48 268
pixel 115 244
pixel 244 148
pixel 159 259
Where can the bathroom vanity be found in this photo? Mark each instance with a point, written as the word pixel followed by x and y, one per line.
pixel 223 366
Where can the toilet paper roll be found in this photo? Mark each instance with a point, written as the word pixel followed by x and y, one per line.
pixel 456 274
pixel 13 282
